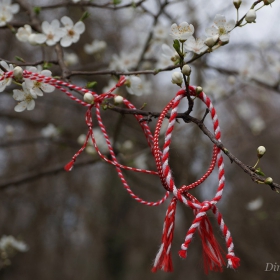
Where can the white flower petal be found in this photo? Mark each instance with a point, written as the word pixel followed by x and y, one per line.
pixel 47 88
pixel 79 27
pixel 220 20
pixel 46 28
pixel 67 21
pixel 30 105
pixel 230 25
pixel 21 106
pixel 18 95
pixel 66 41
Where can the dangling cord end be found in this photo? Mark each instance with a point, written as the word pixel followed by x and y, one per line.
pixel 69 165
pixel 163 259
pixel 212 256
pixel 233 261
pixel 183 253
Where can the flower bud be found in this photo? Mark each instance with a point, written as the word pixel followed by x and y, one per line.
pixel 211 41
pixel 261 151
pixel 268 181
pixel 237 3
pixel 88 98
pixel 186 70
pixel 251 16
pixel 177 78
pixel 198 90
pixel 18 73
pixel 118 99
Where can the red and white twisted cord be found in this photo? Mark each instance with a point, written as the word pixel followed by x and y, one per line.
pixel 162 161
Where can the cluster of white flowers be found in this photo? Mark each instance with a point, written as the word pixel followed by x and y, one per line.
pixel 7 242
pixel 30 88
pixel 52 33
pixel 95 47
pixel 125 61
pixel 7 10
pixel 220 30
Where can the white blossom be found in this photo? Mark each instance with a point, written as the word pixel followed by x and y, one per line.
pixel 6 82
pixel 137 86
pixel 221 28
pixel 72 32
pixel 36 87
pixel 141 161
pixel 257 125
pixel 195 45
pixel 10 241
pixel 6 11
pixel 255 204
pixel 9 129
pixel 160 32
pixel 99 139
pixel 70 59
pixel 50 131
pixel 23 33
pixel 95 47
pixel 52 33
pixel 25 98
pixel 124 61
pixel 182 31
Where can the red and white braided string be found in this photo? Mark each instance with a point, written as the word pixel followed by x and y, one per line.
pixel 201 221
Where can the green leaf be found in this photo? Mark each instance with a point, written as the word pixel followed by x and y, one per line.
pixel 19 59
pixel 47 65
pixel 116 2
pixel 37 10
pixel 176 46
pixel 91 84
pixel 85 15
pixel 259 172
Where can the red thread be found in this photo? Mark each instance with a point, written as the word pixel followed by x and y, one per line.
pixel 211 250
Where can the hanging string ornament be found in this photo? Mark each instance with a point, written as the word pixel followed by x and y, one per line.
pixel 211 250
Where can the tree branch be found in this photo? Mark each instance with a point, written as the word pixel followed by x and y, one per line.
pixel 187 118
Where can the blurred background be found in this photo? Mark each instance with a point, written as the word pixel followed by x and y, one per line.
pixel 83 224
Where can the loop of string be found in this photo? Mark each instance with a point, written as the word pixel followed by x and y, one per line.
pixel 211 250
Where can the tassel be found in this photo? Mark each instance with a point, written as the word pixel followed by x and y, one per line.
pixel 183 254
pixel 69 165
pixel 233 262
pixel 212 257
pixel 163 259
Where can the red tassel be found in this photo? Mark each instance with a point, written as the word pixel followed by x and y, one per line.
pixel 69 165
pixel 167 265
pixel 183 254
pixel 234 260
pixel 165 262
pixel 212 256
